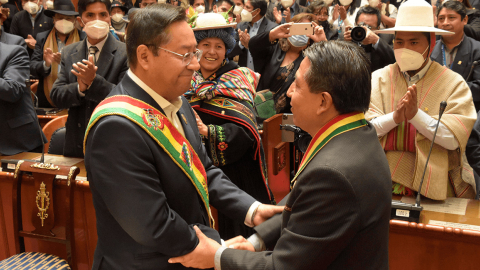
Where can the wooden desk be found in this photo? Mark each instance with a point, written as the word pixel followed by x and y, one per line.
pixel 411 246
pixel 44 119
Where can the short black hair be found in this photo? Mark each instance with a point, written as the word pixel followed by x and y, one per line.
pixel 148 27
pixel 82 5
pixel 371 11
pixel 261 4
pixel 456 6
pixel 342 69
pixel 230 2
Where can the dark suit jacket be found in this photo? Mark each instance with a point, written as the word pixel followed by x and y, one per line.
pixel 265 26
pixel 36 66
pixel 18 121
pixel 382 56
pixel 12 39
pixel 22 25
pixel 467 52
pixel 112 65
pixel 274 3
pixel 336 216
pixel 13 10
pixel 145 205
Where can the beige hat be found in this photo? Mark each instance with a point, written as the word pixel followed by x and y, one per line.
pixel 415 16
pixel 206 21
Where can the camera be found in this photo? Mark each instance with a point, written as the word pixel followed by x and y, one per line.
pixel 359 33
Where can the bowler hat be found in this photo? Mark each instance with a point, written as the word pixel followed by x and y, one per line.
pixel 64 7
pixel 119 5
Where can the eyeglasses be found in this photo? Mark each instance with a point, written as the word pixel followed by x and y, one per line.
pixel 187 58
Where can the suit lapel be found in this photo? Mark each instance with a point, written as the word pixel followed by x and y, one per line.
pixel 106 56
pixel 263 25
pixel 186 122
pixel 78 55
pixel 462 62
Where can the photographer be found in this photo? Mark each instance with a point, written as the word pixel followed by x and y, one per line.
pixel 378 51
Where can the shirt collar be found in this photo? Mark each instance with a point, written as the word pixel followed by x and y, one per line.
pixel 257 23
pixel 161 101
pixel 99 45
pixel 456 46
pixel 420 74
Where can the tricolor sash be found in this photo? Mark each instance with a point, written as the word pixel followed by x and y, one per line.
pixel 335 127
pixel 159 127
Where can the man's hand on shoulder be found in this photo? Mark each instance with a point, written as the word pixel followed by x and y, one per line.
pixel 264 212
pixel 202 256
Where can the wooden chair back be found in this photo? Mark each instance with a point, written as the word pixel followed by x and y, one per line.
pixel 51 127
pixel 51 217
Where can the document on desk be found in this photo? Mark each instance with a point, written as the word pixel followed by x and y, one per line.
pixel 454 225
pixel 456 206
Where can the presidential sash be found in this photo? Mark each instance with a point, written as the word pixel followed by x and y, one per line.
pixel 335 127
pixel 159 127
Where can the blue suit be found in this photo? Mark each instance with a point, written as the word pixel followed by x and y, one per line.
pixel 19 128
pixel 12 39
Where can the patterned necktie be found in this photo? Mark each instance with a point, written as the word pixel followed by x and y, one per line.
pixel 93 51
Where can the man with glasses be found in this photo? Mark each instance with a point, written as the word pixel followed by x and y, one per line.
pixel 150 175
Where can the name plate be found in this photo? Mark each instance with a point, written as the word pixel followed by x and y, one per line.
pixel 403 213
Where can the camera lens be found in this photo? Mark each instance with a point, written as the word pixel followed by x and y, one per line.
pixel 358 34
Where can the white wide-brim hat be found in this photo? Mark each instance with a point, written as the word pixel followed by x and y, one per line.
pixel 206 21
pixel 415 16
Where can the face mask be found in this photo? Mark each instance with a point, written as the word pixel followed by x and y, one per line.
pixel 328 2
pixel 117 18
pixel 298 41
pixel 409 60
pixel 64 26
pixel 96 29
pixel 286 3
pixel 374 3
pixel 200 9
pixel 237 10
pixel 247 15
pixel 3 1
pixel 345 2
pixel 31 8
pixel 49 4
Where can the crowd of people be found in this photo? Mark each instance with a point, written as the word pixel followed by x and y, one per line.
pixel 188 72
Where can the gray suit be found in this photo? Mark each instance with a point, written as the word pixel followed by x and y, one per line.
pixel 12 39
pixel 337 215
pixel 19 129
pixel 112 65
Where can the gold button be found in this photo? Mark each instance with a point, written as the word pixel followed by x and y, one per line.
pixel 40 25
pixel 459 62
pixel 426 109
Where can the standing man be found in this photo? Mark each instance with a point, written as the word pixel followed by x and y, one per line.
pixel 82 83
pixel 149 172
pixel 458 52
pixel 404 110
pixel 253 23
pixel 330 219
pixel 29 22
pixel 20 131
pixel 45 63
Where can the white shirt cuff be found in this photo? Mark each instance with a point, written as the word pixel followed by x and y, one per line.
pixel 375 46
pixel 425 124
pixel 80 92
pixel 240 45
pixel 45 67
pixel 257 242
pixel 218 256
pixel 251 214
pixel 383 124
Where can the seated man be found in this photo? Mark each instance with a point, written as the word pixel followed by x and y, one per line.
pixel 458 52
pixel 330 219
pixel 6 37
pixel 151 179
pixel 29 22
pixel 250 28
pixel 45 63
pixel 378 51
pixel 404 109
pixel 20 131
pixel 82 83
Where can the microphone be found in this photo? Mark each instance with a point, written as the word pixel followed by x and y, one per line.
pixel 8 165
pixel 474 64
pixel 406 211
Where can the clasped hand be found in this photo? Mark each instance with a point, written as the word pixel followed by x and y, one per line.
pixel 407 106
pixel 85 72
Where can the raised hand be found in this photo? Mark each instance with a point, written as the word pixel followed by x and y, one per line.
pixel 85 71
pixel 48 57
pixel 281 31
pixel 277 15
pixel 318 33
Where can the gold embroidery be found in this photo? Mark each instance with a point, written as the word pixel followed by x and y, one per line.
pixel 46 166
pixel 43 202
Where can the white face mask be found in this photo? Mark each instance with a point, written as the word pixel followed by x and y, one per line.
pixel 286 3
pixel 345 2
pixel 374 3
pixel 247 15
pixel 117 18
pixel 64 26
pixel 409 60
pixel 96 29
pixel 49 4
pixel 3 1
pixel 200 9
pixel 31 7
pixel 237 10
